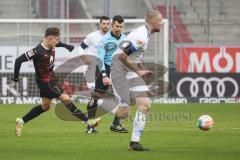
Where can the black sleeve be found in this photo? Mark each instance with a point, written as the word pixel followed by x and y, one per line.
pixel 67 46
pixel 18 63
pixel 83 45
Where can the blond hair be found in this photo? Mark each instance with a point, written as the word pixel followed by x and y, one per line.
pixel 151 15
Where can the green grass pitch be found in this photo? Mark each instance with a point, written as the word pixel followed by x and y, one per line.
pixel 170 133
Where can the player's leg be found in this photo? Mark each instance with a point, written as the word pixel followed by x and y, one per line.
pixel 111 105
pixel 121 91
pixel 143 107
pixel 33 113
pixel 115 104
pixel 91 112
pixel 116 125
pixel 121 111
pixel 92 104
pixel 93 78
pixel 56 91
pixel 92 107
pixel 139 93
pixel 65 99
pixel 37 110
pixel 99 88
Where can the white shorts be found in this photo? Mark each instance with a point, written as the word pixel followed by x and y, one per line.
pixel 127 87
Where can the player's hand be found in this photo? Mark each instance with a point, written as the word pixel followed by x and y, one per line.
pixel 150 72
pixel 70 48
pixel 144 72
pixel 106 81
pixel 15 80
pixel 14 83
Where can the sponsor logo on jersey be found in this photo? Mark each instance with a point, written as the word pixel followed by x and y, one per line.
pixel 30 53
pixel 139 43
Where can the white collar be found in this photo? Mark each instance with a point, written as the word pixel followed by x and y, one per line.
pixel 149 33
pixel 44 46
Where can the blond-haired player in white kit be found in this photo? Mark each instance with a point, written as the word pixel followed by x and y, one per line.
pixel 126 76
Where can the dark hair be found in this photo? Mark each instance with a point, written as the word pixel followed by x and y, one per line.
pixel 52 31
pixel 104 18
pixel 117 18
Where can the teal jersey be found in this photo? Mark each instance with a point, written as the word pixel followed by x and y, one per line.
pixel 107 46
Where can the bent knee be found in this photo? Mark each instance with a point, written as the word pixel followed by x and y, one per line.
pixel 144 108
pixel 45 106
pixel 123 112
pixel 65 99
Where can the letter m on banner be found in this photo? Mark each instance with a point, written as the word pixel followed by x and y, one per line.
pixel 208 59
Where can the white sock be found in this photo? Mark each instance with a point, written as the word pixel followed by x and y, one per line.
pixel 138 126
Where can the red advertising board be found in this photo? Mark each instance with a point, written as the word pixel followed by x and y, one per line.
pixel 208 59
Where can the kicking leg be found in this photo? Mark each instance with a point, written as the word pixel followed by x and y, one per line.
pixel 65 99
pixel 91 109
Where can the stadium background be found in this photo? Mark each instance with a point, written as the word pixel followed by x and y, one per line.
pixel 202 34
pixel 203 51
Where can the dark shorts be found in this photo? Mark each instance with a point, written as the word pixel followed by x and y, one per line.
pixel 50 90
pixel 99 86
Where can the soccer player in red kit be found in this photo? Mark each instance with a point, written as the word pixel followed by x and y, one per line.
pixel 43 56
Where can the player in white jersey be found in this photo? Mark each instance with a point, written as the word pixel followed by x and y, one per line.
pixel 126 76
pixel 90 44
pixel 91 41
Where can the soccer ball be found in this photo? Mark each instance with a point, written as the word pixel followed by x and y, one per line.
pixel 205 122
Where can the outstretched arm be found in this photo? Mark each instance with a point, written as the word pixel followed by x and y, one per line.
pixel 67 46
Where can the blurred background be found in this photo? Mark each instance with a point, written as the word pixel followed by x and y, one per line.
pixel 192 21
pixel 198 30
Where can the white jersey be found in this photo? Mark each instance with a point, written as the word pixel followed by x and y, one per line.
pixel 92 40
pixel 126 83
pixel 139 38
